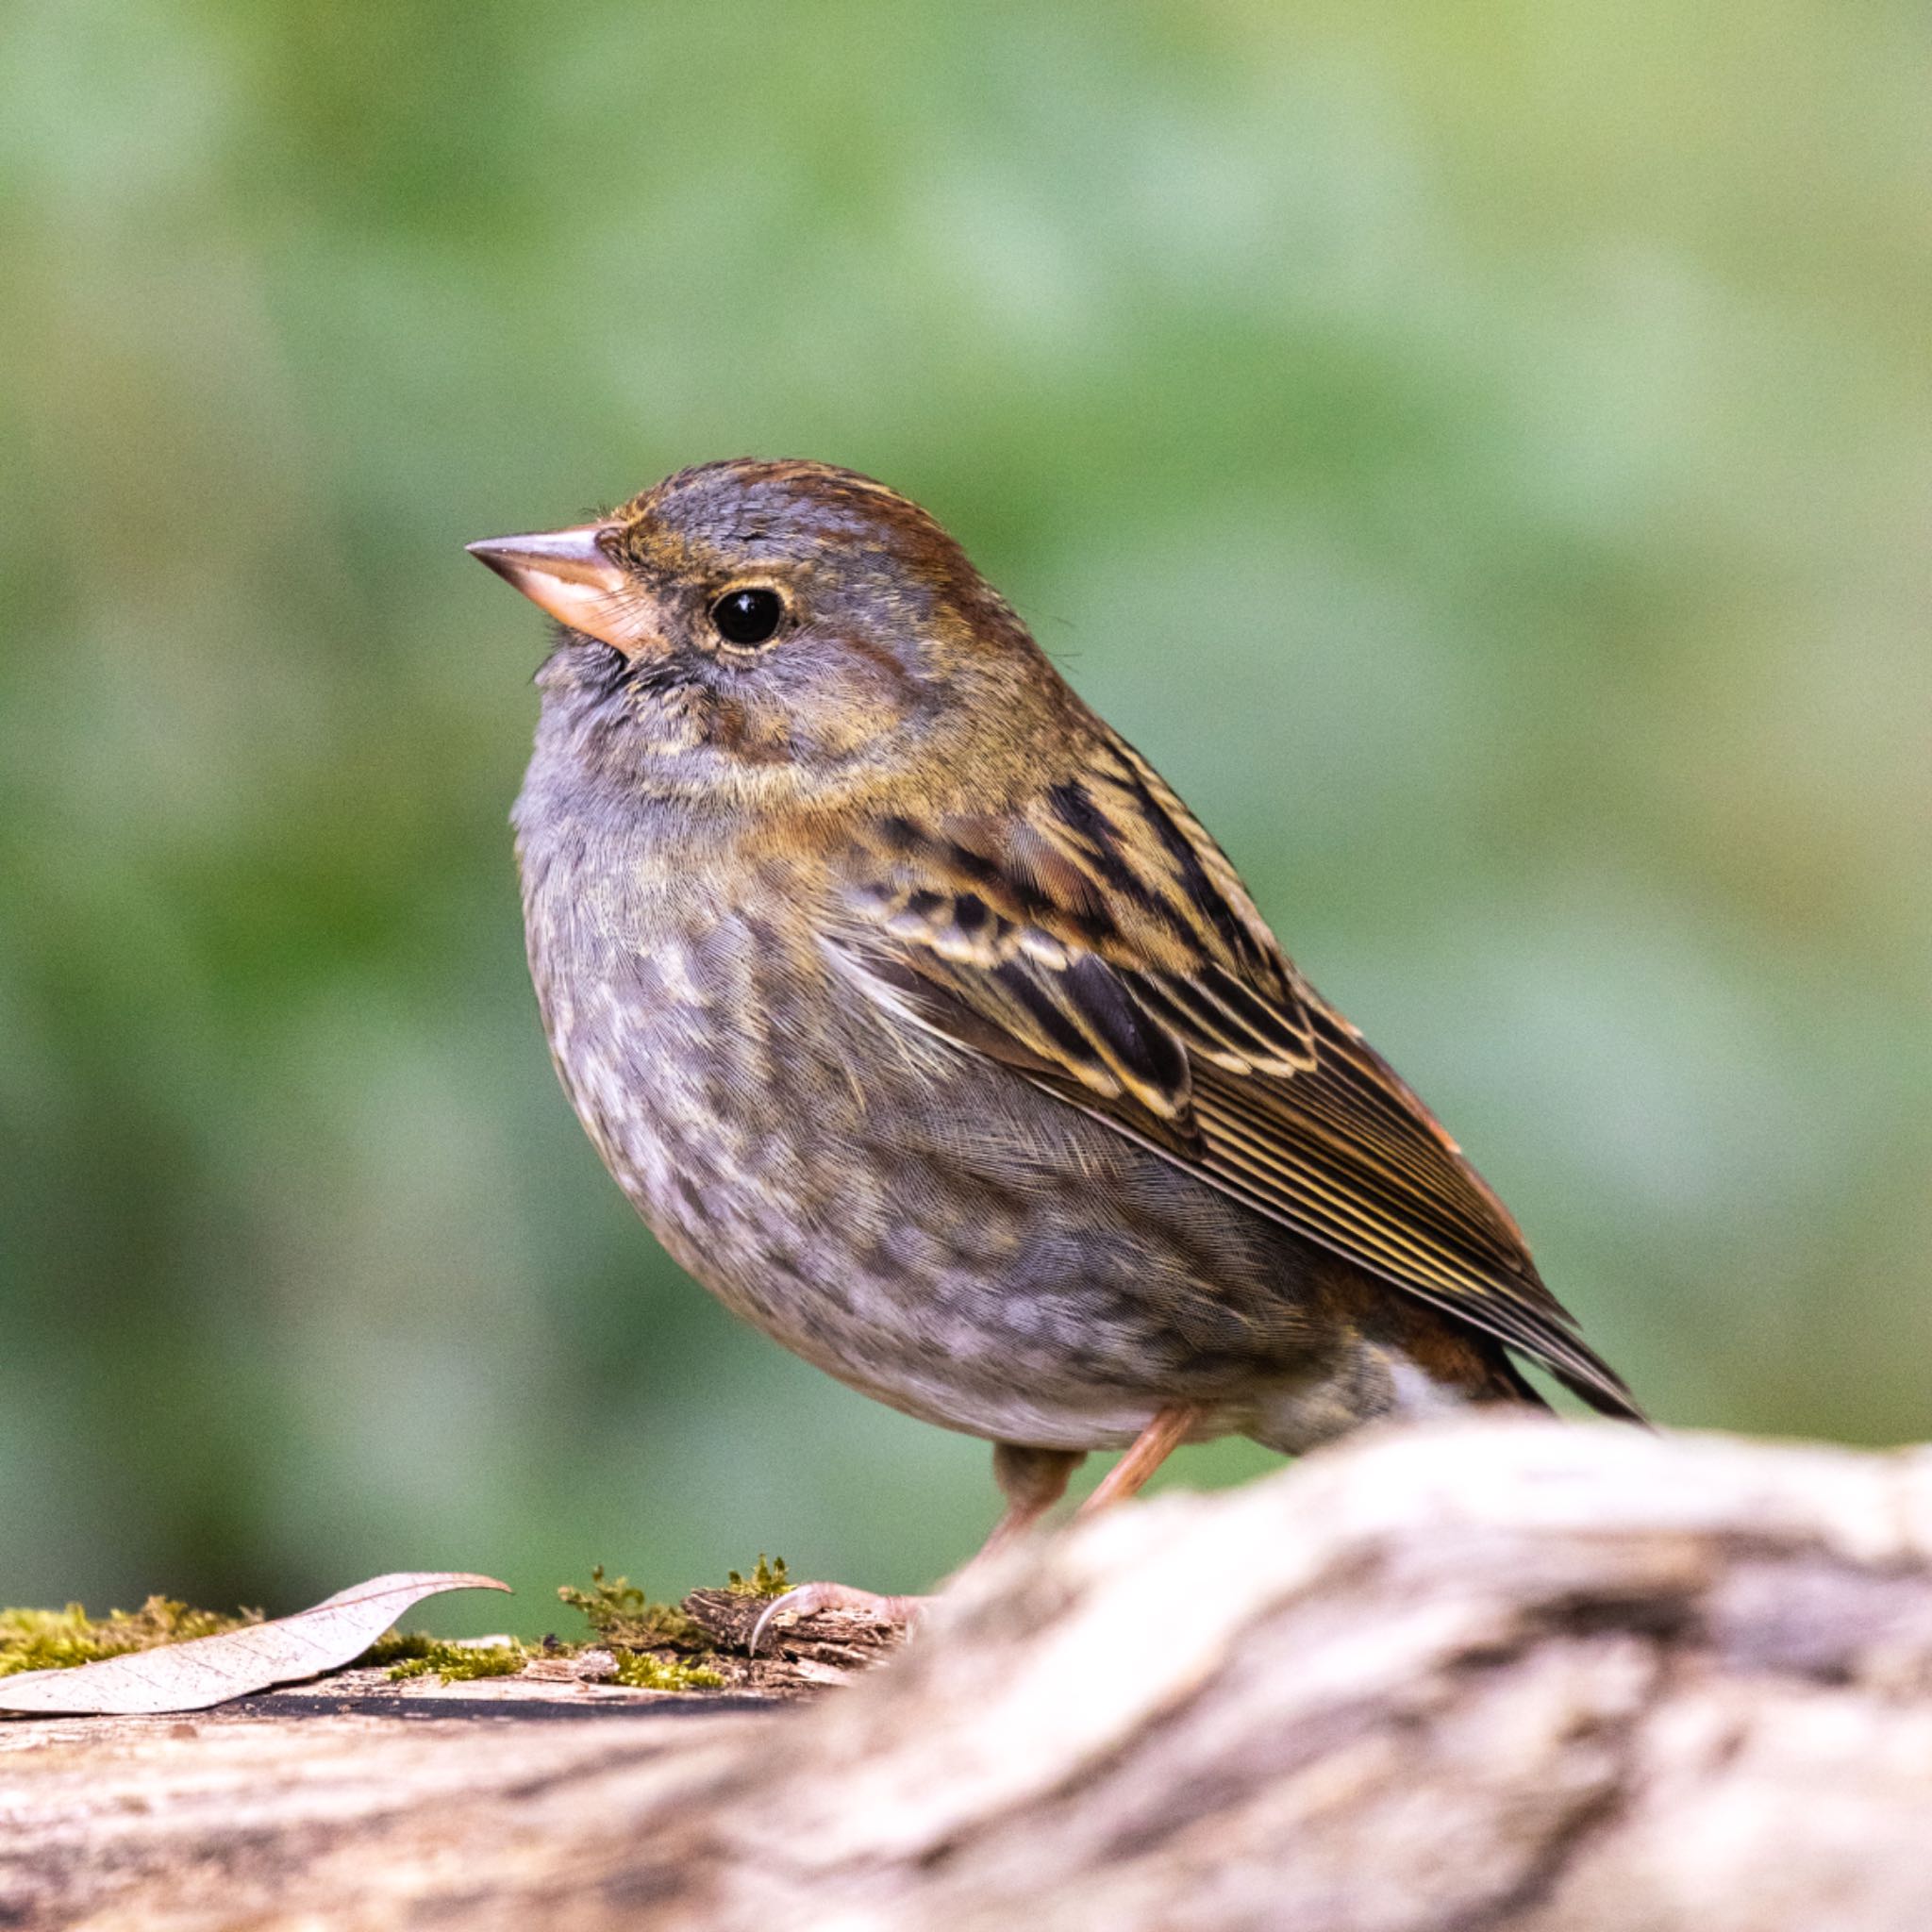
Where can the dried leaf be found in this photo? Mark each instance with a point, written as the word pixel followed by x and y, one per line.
pixel 211 1669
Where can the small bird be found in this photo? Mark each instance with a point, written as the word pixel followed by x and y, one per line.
pixel 930 1031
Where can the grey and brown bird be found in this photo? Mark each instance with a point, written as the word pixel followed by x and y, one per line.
pixel 931 1032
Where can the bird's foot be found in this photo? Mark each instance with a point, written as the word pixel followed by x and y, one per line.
pixel 807 1599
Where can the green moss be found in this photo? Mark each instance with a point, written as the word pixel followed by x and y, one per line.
pixel 394 1647
pixel 620 1612
pixel 644 1671
pixel 57 1639
pixel 626 1622
pixel 768 1579
pixel 412 1653
pixel 455 1664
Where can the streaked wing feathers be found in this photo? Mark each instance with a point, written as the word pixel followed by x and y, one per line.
pixel 1101 945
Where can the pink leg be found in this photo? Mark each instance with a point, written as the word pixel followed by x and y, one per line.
pixel 1147 1452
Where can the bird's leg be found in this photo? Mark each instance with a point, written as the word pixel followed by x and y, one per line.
pixel 1032 1481
pixel 1145 1454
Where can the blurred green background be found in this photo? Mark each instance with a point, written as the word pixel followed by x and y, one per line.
pixel 1482 453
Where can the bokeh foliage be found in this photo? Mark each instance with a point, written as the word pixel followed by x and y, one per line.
pixel 1479 451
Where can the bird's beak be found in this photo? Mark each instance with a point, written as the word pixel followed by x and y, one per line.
pixel 568 573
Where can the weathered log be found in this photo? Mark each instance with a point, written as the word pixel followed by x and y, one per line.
pixel 1495 1674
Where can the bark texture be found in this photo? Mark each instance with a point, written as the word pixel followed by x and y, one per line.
pixel 1498 1675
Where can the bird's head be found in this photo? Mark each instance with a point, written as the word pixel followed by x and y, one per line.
pixel 779 632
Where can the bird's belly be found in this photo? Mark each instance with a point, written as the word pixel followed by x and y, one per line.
pixel 921 1224
pixel 930 1292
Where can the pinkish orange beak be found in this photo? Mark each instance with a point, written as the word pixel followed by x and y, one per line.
pixel 568 573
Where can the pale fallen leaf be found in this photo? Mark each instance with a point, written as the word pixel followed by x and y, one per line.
pixel 211 1669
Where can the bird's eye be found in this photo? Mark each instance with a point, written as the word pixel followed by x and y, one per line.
pixel 748 617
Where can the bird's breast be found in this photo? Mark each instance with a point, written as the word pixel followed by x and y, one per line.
pixel 697 1032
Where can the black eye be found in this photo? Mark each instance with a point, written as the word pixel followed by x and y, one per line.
pixel 748 617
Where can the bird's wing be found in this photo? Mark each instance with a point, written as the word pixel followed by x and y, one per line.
pixel 1099 942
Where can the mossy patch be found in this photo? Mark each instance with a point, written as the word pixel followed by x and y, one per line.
pixel 766 1579
pixel 640 1671
pixel 59 1640
pixel 455 1664
pixel 620 1613
pixel 394 1647
pixel 637 1631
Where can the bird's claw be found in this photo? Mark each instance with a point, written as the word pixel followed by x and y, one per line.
pixel 807 1599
